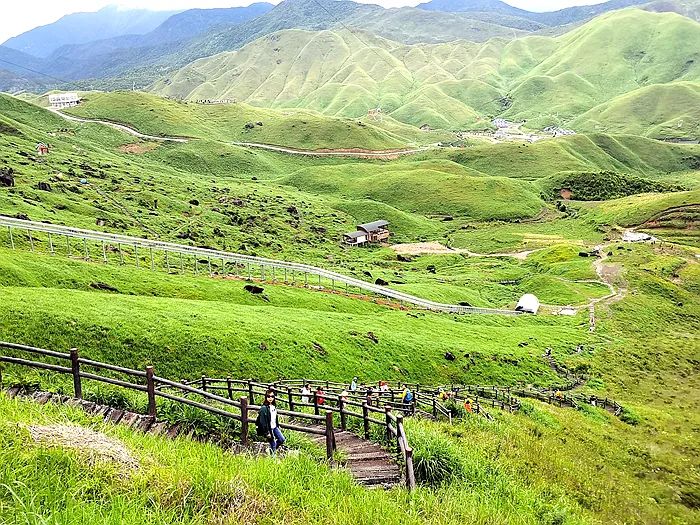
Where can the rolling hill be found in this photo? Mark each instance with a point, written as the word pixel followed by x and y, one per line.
pixel 658 111
pixel 542 80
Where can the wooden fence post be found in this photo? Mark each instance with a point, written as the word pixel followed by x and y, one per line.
pixel 365 420
pixel 151 390
pixel 204 383
pixel 229 387
pixel 75 368
pixel 399 424
pixel 434 408
pixel 330 438
pixel 251 395
pixel 343 414
pixel 387 411
pixel 244 420
pixel 290 399
pixel 315 403
pixel 410 475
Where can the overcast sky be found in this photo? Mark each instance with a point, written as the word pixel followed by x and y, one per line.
pixel 18 17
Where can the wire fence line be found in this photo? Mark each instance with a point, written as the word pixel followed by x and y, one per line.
pixel 270 269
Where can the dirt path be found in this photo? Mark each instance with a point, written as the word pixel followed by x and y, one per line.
pixel 389 154
pixel 337 152
pixel 120 127
pixel 418 248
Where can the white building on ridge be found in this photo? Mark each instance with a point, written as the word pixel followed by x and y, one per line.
pixel 63 100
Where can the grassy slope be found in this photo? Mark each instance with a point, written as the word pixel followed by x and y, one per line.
pixel 663 111
pixel 186 324
pixel 425 188
pixel 226 122
pixel 579 153
pixel 541 465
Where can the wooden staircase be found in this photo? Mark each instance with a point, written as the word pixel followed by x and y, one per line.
pixel 369 464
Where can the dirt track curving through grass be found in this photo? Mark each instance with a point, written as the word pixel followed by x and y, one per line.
pixel 335 152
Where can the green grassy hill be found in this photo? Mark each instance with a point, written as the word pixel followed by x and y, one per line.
pixel 417 188
pixel 578 153
pixel 542 80
pixel 658 111
pixel 227 123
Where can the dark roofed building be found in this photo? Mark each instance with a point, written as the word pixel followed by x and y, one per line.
pixel 355 238
pixel 375 231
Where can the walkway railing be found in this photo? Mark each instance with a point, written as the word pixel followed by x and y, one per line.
pixel 241 265
pixel 320 422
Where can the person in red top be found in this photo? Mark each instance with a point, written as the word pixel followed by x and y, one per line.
pixel 320 399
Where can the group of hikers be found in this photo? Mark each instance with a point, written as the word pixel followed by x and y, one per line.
pixel 267 422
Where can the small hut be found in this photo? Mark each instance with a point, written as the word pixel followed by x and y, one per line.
pixel 42 149
pixel 355 238
pixel 528 303
pixel 376 231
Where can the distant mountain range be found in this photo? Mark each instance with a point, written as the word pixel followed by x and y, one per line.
pixel 80 28
pixel 554 18
pixel 461 85
pixel 119 61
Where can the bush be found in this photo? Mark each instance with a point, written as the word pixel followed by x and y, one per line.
pixel 115 398
pixel 630 417
pixel 436 459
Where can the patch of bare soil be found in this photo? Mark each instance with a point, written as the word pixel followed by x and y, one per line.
pixel 95 445
pixel 416 248
pixel 138 147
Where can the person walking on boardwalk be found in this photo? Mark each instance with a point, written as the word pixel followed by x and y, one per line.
pixel 320 396
pixel 305 393
pixel 353 385
pixel 468 406
pixel 267 424
pixel 407 399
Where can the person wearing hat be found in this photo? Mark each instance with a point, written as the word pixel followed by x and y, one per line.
pixel 353 385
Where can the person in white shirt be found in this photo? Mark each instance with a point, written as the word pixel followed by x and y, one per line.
pixel 305 393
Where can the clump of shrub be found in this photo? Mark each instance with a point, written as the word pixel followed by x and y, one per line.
pixel 436 459
pixel 115 398
pixel 602 186
pixel 630 417
pixel 201 424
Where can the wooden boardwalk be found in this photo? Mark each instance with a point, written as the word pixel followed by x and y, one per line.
pixel 368 463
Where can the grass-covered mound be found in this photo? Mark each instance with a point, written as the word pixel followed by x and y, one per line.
pixel 601 186
pixel 425 189
pixel 657 111
pixel 190 324
pixel 578 153
pixel 239 122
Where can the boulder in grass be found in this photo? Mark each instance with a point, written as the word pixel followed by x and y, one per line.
pixel 6 179
pixel 255 290
pixel 450 356
pixel 381 282
pixel 44 186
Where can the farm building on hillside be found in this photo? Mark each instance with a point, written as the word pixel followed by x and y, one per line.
pixel 63 100
pixel 528 303
pixel 42 149
pixel 376 231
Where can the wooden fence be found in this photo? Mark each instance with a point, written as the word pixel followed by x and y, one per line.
pixel 320 422
pixel 177 257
